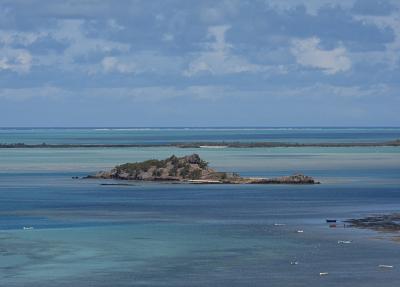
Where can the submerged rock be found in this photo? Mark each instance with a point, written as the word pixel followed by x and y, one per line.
pixel 384 222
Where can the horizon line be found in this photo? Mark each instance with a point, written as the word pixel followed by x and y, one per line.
pixel 185 127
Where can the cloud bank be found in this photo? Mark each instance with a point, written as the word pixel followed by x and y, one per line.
pixel 84 56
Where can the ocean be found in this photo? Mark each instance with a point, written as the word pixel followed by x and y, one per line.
pixel 153 135
pixel 162 234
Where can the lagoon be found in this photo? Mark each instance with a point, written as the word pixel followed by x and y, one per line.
pixel 153 234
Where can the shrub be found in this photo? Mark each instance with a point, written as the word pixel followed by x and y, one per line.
pixel 173 171
pixel 203 164
pixel 195 174
pixel 174 160
pixel 185 171
pixel 135 167
pixel 157 172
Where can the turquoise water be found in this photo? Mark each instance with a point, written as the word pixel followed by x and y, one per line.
pixel 171 135
pixel 152 234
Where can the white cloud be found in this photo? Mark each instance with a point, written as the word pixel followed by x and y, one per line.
pixel 71 32
pixel 219 11
pixel 218 58
pixel 168 37
pixel 79 45
pixel 211 14
pixel 112 64
pixel 391 55
pixel 20 38
pixel 16 60
pixel 318 92
pixel 312 6
pixel 328 91
pixel 123 94
pixel 117 57
pixel 158 93
pixel 114 25
pixel 139 63
pixel 308 53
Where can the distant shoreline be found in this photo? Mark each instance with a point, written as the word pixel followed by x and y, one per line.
pixel 189 127
pixel 208 145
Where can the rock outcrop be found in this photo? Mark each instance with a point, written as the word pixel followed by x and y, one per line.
pixel 384 222
pixel 292 179
pixel 190 168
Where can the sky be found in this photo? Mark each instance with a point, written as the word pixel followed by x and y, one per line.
pixel 138 63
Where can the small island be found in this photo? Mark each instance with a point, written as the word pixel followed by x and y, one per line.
pixel 189 169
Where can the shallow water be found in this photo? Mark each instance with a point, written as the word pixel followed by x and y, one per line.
pixel 87 234
pixel 171 135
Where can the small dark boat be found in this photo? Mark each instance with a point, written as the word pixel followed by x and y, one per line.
pixel 331 220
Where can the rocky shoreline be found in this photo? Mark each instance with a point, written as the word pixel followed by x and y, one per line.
pixel 189 169
pixel 207 145
pixel 382 223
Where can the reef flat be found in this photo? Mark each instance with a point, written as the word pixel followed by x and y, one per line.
pixel 209 145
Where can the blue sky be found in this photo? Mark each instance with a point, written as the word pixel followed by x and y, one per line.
pixel 199 63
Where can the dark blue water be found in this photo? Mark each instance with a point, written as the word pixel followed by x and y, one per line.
pixel 180 235
pixel 53 198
